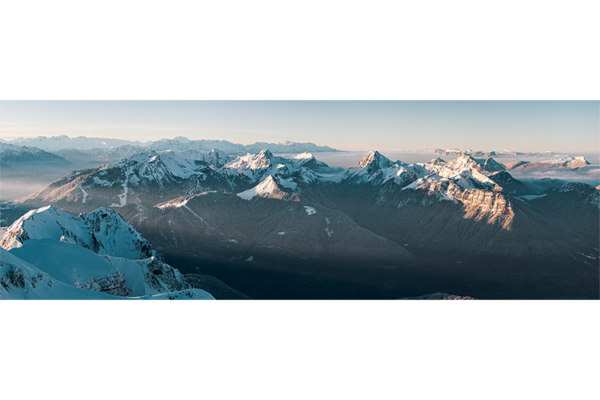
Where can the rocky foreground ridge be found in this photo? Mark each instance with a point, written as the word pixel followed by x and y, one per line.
pixel 438 297
pixel 49 254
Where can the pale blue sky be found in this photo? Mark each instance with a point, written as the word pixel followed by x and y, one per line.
pixel 561 126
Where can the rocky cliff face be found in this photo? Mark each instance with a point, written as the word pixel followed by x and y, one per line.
pixel 486 201
pixel 113 284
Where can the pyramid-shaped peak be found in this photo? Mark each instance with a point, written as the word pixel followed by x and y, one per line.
pixel 270 180
pixel 374 158
pixel 492 165
pixel 464 161
pixel 271 187
pixel 265 153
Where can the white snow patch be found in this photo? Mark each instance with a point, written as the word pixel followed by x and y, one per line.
pixel 303 156
pixel 585 255
pixel 287 183
pixel 310 210
pixel 123 196
pixel 248 194
pixel 85 195
pixel 100 182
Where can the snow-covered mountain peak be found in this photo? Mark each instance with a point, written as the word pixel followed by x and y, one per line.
pixel 577 162
pixel 466 162
pixel 45 222
pixel 249 161
pixel 265 153
pixel 374 159
pixel 437 161
pixel 272 187
pixel 102 231
pixel 463 162
pixel 303 156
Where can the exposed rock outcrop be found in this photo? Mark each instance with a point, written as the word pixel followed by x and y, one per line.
pixel 438 297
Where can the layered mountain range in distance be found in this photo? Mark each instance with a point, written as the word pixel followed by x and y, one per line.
pixel 187 221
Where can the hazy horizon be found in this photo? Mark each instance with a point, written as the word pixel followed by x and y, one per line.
pixel 560 126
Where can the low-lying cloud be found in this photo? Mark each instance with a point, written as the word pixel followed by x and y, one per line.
pixel 590 174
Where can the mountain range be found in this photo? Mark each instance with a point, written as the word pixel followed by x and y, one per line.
pixel 274 227
pixel 505 152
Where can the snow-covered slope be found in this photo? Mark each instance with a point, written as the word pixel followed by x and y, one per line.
pixel 82 268
pixel 483 165
pixel 20 280
pixel 273 188
pixel 102 231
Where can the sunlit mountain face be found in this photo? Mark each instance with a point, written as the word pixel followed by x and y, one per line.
pixel 180 220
